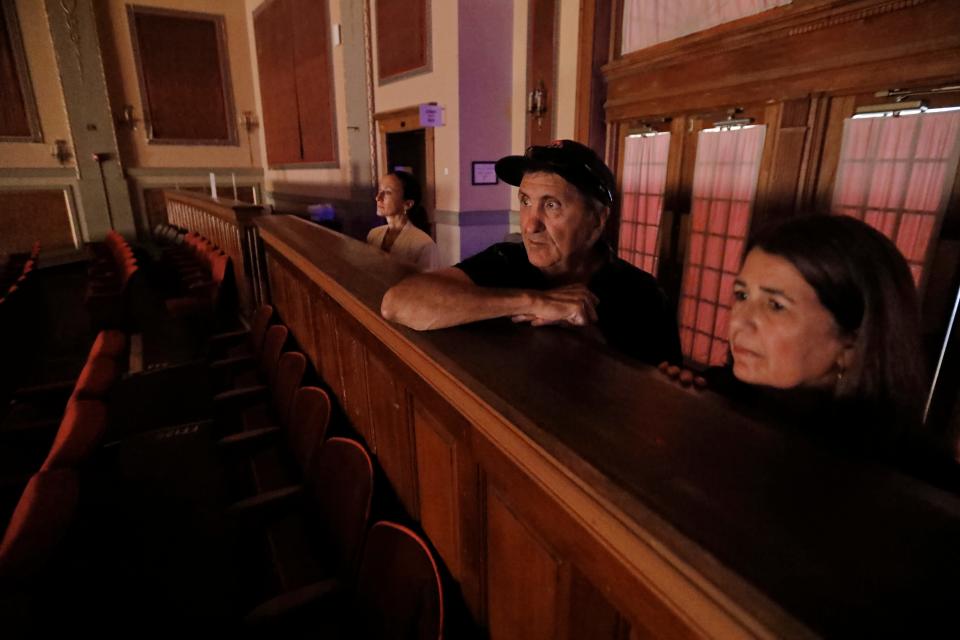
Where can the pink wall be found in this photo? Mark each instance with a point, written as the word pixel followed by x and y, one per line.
pixel 486 50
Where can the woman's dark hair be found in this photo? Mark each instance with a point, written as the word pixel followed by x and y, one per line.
pixel 411 191
pixel 862 279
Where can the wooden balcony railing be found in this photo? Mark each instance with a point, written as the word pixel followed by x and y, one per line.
pixel 229 225
pixel 574 494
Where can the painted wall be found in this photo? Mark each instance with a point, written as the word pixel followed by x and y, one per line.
pixel 567 50
pixel 485 47
pixel 45 78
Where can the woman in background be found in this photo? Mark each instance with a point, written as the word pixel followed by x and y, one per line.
pixel 398 202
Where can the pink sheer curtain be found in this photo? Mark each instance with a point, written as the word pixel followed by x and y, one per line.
pixel 644 179
pixel 648 22
pixel 724 187
pixel 895 174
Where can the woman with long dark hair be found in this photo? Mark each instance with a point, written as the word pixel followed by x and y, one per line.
pixel 404 234
pixel 825 306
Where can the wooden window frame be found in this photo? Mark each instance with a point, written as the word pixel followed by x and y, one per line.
pixel 22 69
pixel 226 85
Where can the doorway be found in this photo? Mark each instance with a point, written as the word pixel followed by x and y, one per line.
pixel 408 146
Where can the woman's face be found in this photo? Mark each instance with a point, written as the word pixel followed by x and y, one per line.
pixel 390 200
pixel 780 334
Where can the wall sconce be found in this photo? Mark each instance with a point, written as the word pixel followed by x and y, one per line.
pixel 126 118
pixel 537 103
pixel 61 151
pixel 248 120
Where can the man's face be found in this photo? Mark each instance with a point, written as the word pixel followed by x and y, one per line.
pixel 558 226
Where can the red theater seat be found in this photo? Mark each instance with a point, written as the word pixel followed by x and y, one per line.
pixel 39 523
pixel 82 428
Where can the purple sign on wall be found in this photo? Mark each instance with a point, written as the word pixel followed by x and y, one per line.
pixel 431 115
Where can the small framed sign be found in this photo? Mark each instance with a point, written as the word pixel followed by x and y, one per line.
pixel 484 173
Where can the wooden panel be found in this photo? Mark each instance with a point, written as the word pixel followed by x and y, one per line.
pixel 439 487
pixel 590 615
pixel 298 319
pixel 281 120
pixel 28 216
pixel 523 578
pixel 568 537
pixel 275 274
pixel 184 75
pixel 402 37
pixel 392 426
pixel 313 71
pixel 14 119
pixel 353 367
pixel 325 339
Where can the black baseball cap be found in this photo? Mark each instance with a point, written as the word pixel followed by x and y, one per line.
pixel 574 162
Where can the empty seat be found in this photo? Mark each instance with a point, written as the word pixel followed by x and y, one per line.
pixel 398 594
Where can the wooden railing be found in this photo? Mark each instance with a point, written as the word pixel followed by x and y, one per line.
pixel 229 225
pixel 574 494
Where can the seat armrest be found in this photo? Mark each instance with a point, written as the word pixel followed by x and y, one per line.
pixel 236 400
pixel 228 338
pixel 229 364
pixel 311 595
pixel 43 431
pixel 263 508
pixel 45 393
pixel 247 442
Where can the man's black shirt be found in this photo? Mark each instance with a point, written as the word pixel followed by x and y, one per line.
pixel 632 310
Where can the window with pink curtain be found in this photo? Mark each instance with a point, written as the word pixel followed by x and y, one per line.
pixel 644 178
pixel 895 174
pixel 724 187
pixel 649 22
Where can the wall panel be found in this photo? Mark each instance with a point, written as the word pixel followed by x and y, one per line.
pixel 36 215
pixel 390 421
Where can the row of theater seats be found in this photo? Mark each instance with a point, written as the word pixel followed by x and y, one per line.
pixel 112 277
pixel 197 270
pixel 175 289
pixel 19 310
pixel 255 513
pixel 48 472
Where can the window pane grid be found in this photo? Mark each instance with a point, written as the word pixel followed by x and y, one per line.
pixel 725 181
pixel 895 174
pixel 644 181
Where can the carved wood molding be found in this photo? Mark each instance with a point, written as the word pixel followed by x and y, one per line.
pixel 788 22
pixel 826 48
pixel 853 16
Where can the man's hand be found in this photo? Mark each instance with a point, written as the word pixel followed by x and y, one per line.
pixel 572 305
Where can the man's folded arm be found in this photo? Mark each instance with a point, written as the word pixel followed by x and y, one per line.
pixel 447 298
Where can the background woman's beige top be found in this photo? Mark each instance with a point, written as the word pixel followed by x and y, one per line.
pixel 412 245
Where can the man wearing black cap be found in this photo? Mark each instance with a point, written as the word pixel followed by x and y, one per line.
pixel 562 274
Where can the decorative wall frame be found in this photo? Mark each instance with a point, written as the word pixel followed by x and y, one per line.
pixel 223 64
pixel 8 10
